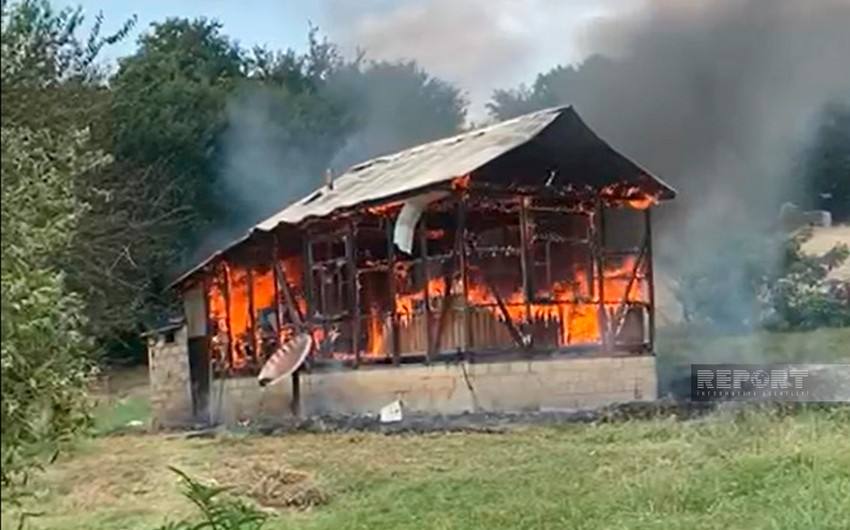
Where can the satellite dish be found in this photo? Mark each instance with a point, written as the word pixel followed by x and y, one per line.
pixel 286 359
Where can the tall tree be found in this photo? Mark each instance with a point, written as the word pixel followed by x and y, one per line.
pixel 169 103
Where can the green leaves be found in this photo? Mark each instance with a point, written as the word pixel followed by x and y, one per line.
pixel 217 512
pixel 45 359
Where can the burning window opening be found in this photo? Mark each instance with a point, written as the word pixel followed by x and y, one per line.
pixel 530 281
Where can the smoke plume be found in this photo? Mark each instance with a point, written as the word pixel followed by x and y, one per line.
pixel 719 98
pixel 480 45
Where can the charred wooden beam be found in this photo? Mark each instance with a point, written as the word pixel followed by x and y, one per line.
pixel 354 290
pixel 426 277
pixel 448 277
pixel 650 278
pixel 620 313
pixel 226 293
pixel 282 286
pixel 208 320
pixel 307 281
pixel 506 316
pixel 392 283
pixel 599 258
pixel 278 296
pixel 464 272
pixel 252 320
pixel 526 251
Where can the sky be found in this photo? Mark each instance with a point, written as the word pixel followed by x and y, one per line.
pixel 483 44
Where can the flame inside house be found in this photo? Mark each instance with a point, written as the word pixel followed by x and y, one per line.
pixel 563 302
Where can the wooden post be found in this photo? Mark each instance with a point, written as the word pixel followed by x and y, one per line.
pixel 464 273
pixel 206 286
pixel 227 313
pixel 600 273
pixel 296 393
pixel 444 310
pixel 650 278
pixel 525 253
pixel 426 276
pixel 252 321
pixel 309 287
pixel 278 301
pixel 393 289
pixel 354 291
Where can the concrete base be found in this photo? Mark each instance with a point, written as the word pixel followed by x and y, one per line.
pixel 533 385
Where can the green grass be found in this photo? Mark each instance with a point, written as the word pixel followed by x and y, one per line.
pixel 754 470
pixel 122 414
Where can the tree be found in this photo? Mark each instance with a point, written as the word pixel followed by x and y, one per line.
pixel 560 85
pixel 50 74
pixel 50 98
pixel 169 105
pixel 52 80
pixel 45 354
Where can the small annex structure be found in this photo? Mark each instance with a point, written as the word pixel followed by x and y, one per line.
pixel 506 268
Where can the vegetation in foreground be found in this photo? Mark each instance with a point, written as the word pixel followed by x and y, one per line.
pixel 744 469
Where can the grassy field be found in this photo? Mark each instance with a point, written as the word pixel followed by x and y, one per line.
pixel 746 469
pixel 754 470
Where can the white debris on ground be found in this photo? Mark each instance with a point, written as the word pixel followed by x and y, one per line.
pixel 391 413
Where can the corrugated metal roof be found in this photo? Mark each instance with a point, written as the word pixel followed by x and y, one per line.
pixel 417 168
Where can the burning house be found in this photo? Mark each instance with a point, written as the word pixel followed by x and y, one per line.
pixel 507 268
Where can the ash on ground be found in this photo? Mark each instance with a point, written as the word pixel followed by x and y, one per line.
pixel 495 422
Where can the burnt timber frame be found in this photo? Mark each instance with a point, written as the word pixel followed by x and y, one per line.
pixel 456 265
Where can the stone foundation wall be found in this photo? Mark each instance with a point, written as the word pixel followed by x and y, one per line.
pixel 168 368
pixel 534 385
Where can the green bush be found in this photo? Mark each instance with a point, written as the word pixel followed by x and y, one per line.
pixel 768 283
pixel 803 297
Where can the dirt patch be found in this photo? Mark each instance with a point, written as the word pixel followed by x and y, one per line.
pixel 274 487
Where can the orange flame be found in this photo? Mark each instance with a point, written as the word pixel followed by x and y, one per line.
pixel 574 304
pixel 230 309
pixel 375 346
pixel 461 183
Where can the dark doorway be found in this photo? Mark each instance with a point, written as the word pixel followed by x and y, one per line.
pixel 199 375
